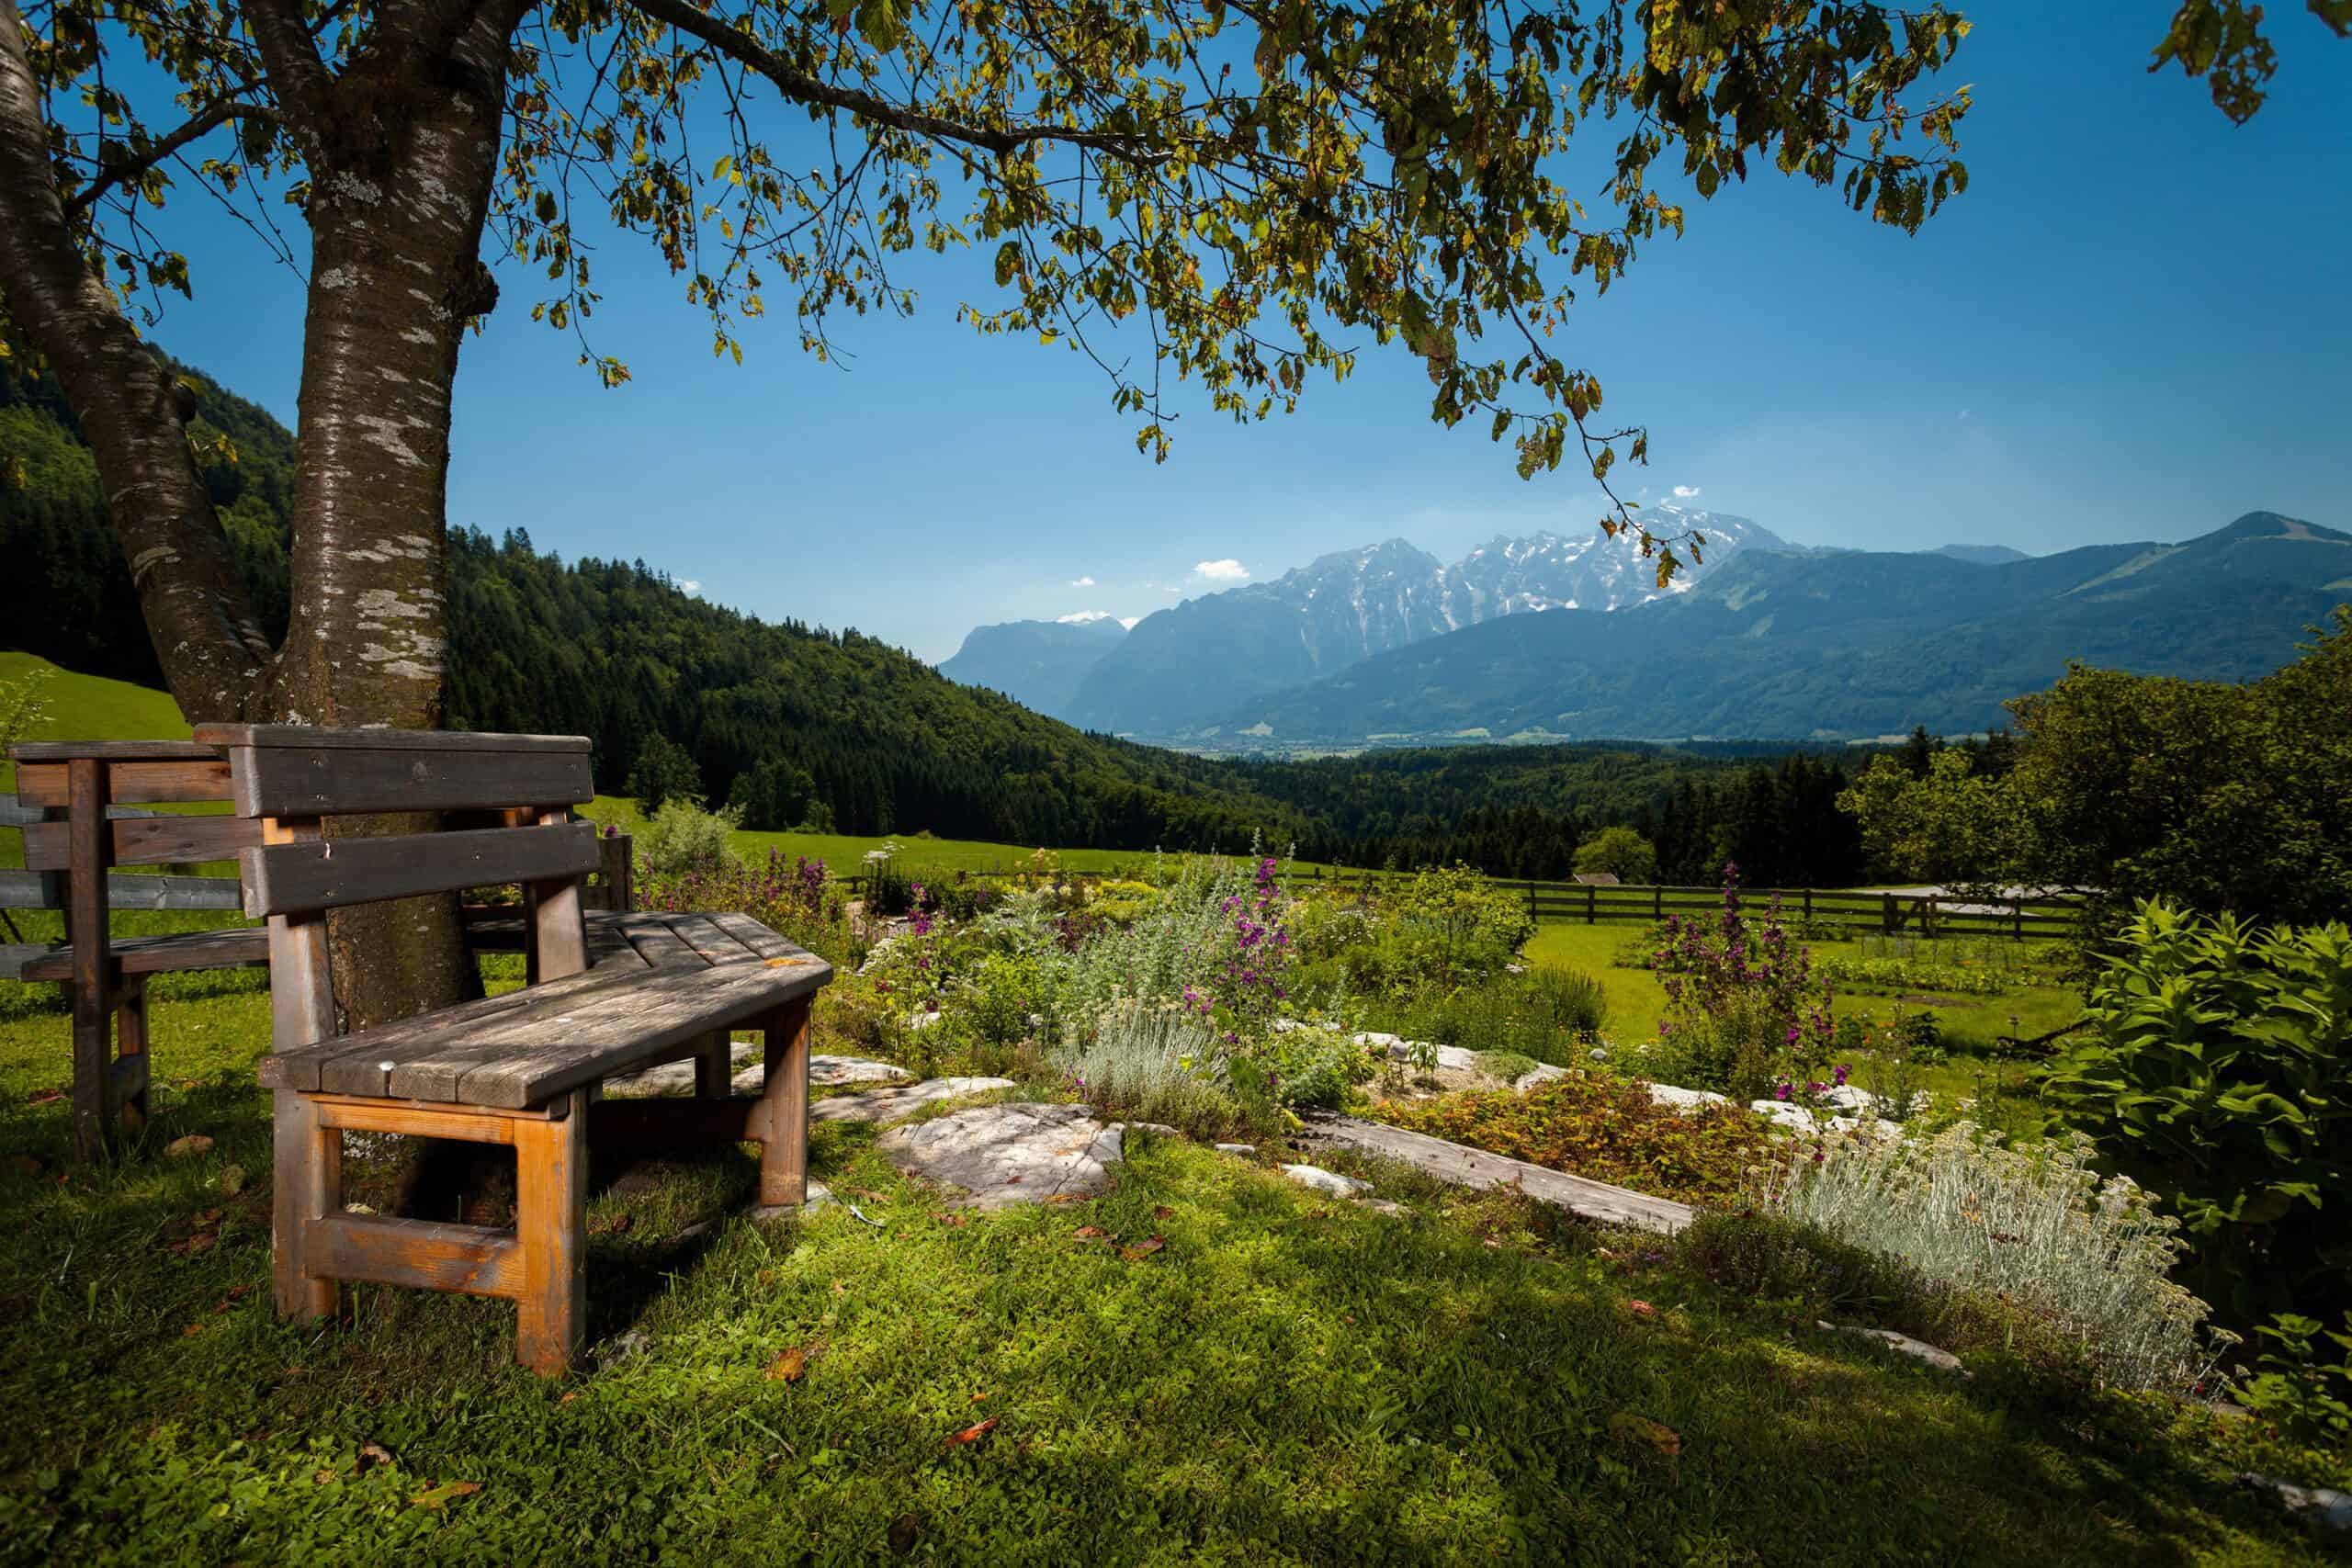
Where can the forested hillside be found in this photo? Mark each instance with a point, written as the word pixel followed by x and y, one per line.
pixel 800 724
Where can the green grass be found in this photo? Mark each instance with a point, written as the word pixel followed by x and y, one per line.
pixel 1288 1380
pixel 91 708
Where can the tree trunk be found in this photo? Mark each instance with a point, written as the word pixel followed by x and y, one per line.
pixel 396 224
pixel 195 602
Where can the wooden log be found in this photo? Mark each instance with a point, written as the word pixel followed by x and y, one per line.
pixel 290 878
pixel 783 1129
pixel 146 841
pixel 472 1260
pixel 551 1224
pixel 1594 1201
pixel 306 1187
pixel 91 986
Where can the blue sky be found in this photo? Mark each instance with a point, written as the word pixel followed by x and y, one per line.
pixel 2133 326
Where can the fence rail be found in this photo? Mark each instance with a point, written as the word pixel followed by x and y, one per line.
pixel 1917 914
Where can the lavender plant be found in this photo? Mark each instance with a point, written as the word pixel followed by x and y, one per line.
pixel 1744 1011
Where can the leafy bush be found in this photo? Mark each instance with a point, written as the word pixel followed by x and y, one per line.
pixel 1605 1128
pixel 2036 1228
pixel 1549 1013
pixel 2309 1398
pixel 1311 1067
pixel 663 773
pixel 683 840
pixel 1006 999
pixel 1743 1008
pixel 1151 1064
pixel 1767 1256
pixel 1450 923
pixel 1181 941
pixel 2219 1073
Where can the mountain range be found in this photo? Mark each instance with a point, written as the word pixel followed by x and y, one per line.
pixel 1764 640
pixel 1188 667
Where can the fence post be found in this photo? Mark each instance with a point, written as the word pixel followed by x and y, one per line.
pixel 1928 916
pixel 1530 900
pixel 1889 921
pixel 1592 895
pixel 2021 911
pixel 1657 903
pixel 618 871
pixel 1808 906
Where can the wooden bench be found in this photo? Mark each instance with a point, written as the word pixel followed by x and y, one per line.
pixel 519 1069
pixel 77 805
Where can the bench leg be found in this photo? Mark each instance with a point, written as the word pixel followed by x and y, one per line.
pixel 551 1221
pixel 307 1187
pixel 784 1103
pixel 130 1040
pixel 715 1067
pixel 92 1101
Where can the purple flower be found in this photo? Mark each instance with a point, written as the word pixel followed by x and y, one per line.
pixel 1842 1071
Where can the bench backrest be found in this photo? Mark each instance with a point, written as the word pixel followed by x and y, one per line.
pixel 286 779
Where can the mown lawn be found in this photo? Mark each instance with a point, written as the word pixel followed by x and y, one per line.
pixel 1287 1380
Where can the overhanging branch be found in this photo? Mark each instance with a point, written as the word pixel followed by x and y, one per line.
pixel 125 170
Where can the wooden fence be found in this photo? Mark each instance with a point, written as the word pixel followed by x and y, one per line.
pixel 1892 914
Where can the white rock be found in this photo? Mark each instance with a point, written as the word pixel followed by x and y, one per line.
pixel 1542 1072
pixel 1326 1181
pixel 1003 1155
pixel 1158 1129
pixel 1384 1206
pixel 1800 1120
pixel 824 1071
pixel 2318 1505
pixel 889 1104
pixel 1237 1148
pixel 923 1020
pixel 1685 1099
pixel 1943 1360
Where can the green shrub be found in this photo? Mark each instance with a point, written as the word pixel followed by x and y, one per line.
pixel 1549 1014
pixel 683 840
pixel 1606 1128
pixel 2037 1227
pixel 2307 1395
pixel 1315 1068
pixel 1768 1256
pixel 1451 922
pixel 1152 1064
pixel 2219 1075
pixel 1006 1000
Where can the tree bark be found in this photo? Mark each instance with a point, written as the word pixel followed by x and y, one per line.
pixel 396 219
pixel 196 609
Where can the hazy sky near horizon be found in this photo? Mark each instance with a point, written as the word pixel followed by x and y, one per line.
pixel 2134 325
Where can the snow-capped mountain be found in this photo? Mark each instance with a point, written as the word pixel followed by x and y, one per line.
pixel 1195 663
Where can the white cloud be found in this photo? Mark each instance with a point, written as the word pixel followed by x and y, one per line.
pixel 1082 582
pixel 1226 570
pixel 1686 493
pixel 1963 414
pixel 1083 617
pixel 1129 621
pixel 690 585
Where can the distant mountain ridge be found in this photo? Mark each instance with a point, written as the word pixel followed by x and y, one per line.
pixel 1191 665
pixel 1036 664
pixel 1838 645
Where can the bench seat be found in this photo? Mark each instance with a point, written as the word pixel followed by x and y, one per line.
pixel 524 1048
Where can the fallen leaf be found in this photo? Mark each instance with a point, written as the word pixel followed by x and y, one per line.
pixel 1640 1308
pixel 1162 1211
pixel 840 1289
pixel 903 1532
pixel 1091 1233
pixel 442 1493
pixel 618 1225
pixel 192 1143
pixel 45 1097
pixel 790 1363
pixel 208 1218
pixel 569 1397
pixel 320 1477
pixel 975 1433
pixel 232 1180
pixel 1141 1249
pixel 193 1329
pixel 372 1455
pixel 1631 1428
pixel 1065 1198
pixel 948 1219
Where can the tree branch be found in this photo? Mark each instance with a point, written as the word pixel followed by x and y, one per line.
pixel 290 57
pixel 131 168
pixel 799 85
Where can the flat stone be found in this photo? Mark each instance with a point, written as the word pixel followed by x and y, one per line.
pixel 2319 1506
pixel 824 1071
pixel 1237 1148
pixel 1942 1361
pixel 1317 1179
pixel 1798 1120
pixel 1685 1099
pixel 1003 1155
pixel 1384 1206
pixel 923 1020
pixel 819 1196
pixel 1157 1129
pixel 1542 1072
pixel 889 1104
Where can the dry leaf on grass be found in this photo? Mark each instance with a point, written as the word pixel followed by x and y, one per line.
pixel 1092 1233
pixel 442 1493
pixel 45 1097
pixel 1631 1429
pixel 191 1143
pixel 945 1218
pixel 973 1434
pixel 1141 1249
pixel 1162 1211
pixel 1640 1308
pixel 1066 1198
pixel 372 1455
pixel 790 1363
